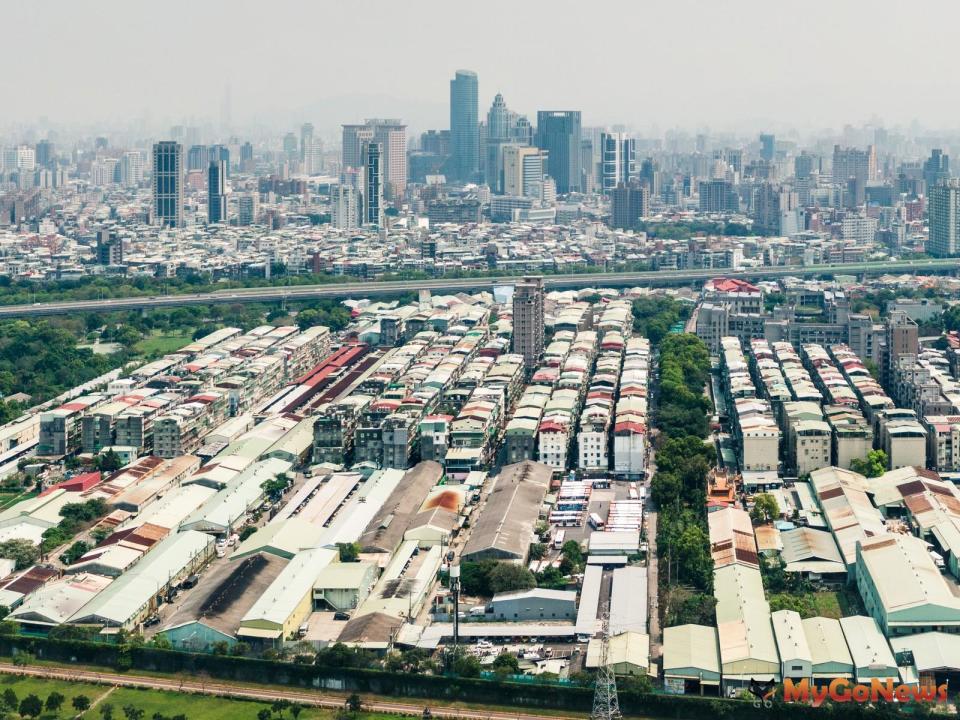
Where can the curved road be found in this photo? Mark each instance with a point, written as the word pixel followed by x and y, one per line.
pixel 264 694
pixel 370 289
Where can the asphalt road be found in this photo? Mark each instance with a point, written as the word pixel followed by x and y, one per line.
pixel 370 289
pixel 264 694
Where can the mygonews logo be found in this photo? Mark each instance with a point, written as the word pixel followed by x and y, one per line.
pixel 841 690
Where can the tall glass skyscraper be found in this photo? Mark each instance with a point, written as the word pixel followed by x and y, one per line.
pixel 464 127
pixel 217 192
pixel 168 184
pixel 558 132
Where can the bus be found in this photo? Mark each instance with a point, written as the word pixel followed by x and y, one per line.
pixel 558 539
pixel 595 522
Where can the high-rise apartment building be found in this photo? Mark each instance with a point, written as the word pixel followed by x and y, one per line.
pixel 528 322
pixel 45 154
pixel 131 168
pixel 343 207
pixel 854 163
pixel 558 132
pixel 372 202
pixel 354 136
pixel 217 192
pixel 718 196
pixel 618 160
pixel 944 209
pixel 248 209
pixel 629 202
pixel 198 157
pixel 168 184
pixel 464 127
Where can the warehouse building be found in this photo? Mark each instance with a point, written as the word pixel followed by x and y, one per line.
pixel 691 660
pixel 504 529
pixel 869 650
pixel 796 660
pixel 385 532
pixel 535 604
pixel 628 653
pixel 212 611
pixel 934 656
pixel 344 586
pixel 901 587
pixel 829 654
pixel 134 595
pixel 57 601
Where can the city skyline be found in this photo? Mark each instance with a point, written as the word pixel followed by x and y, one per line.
pixel 781 71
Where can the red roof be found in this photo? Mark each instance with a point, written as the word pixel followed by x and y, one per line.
pixel 731 285
pixel 78 483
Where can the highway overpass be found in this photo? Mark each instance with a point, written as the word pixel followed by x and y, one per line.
pixel 660 278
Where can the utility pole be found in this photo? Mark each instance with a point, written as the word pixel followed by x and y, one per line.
pixel 455 591
pixel 606 704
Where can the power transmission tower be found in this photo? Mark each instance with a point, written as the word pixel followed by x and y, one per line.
pixel 606 705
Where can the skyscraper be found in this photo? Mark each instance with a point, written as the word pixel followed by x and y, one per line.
pixel 944 238
pixel 392 136
pixel 45 154
pixel 372 213
pixel 528 321
pixel 618 160
pixel 768 147
pixel 168 184
pixel 311 150
pixel 936 168
pixel 198 157
pixel 464 127
pixel 558 132
pixel 217 192
pixel 504 127
pixel 248 209
pixel 354 136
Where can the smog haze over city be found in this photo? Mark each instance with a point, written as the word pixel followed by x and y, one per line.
pixel 547 359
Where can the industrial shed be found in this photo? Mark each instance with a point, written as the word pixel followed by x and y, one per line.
pixel 227 510
pixel 813 554
pixel 871 654
pixel 535 604
pixel 627 653
pixel 344 586
pixel 278 612
pixel 54 603
pixel 132 596
pixel 829 654
pixel 936 655
pixel 796 660
pixel 504 529
pixel 284 539
pixel 691 659
pixel 387 529
pixel 211 612
pixel 628 600
pixel 374 631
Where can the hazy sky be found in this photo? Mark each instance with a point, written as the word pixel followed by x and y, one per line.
pixel 716 64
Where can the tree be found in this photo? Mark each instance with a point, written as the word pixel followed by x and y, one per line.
pixel 275 487
pixel 279 706
pixel 506 663
pixel 54 701
pixel 537 551
pixel 23 552
pixel 349 552
pixel 132 712
pixel 10 699
pixel 106 711
pixel 109 461
pixel 572 553
pixel 874 465
pixel 81 703
pixel 467 666
pixel 31 706
pixel 765 509
pixel 295 710
pixel 264 714
pixel 506 577
pixel 354 703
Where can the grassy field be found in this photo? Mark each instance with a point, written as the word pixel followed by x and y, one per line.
pixel 161 344
pixel 8 499
pixel 194 707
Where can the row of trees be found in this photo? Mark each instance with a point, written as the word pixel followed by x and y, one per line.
pixel 653 316
pixel 679 487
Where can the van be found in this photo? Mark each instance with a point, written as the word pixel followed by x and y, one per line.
pixel 303 629
pixel 190 582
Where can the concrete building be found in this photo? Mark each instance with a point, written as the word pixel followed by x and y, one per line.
pixel 944 210
pixel 168 175
pixel 528 321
